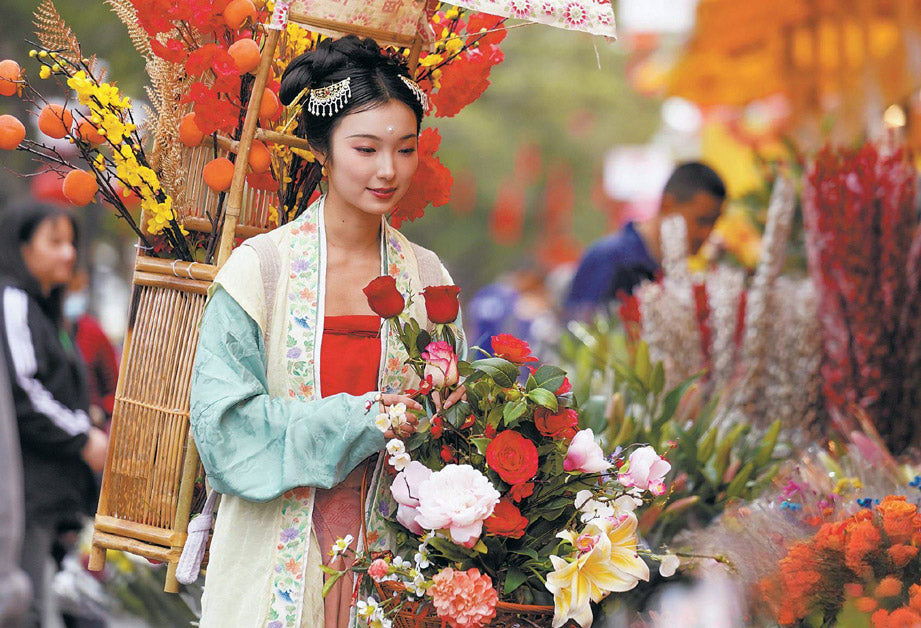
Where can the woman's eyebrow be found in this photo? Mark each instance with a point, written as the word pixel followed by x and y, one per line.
pixel 376 138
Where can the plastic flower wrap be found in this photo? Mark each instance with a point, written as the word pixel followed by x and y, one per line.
pixel 503 496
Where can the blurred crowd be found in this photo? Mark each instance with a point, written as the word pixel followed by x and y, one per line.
pixel 57 389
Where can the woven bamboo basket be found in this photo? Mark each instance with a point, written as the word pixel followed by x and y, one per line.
pixel 153 476
pixel 421 614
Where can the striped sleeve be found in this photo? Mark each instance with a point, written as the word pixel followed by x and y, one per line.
pixel 25 367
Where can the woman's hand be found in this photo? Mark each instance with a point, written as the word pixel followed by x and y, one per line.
pixel 94 451
pixel 460 394
pixel 407 428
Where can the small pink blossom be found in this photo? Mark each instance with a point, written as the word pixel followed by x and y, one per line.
pixel 405 490
pixel 465 599
pixel 575 14
pixel 440 364
pixel 585 454
pixel 378 569
pixel 647 471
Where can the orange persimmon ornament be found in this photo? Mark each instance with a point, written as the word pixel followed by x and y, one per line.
pixel 245 53
pixel 10 74
pixel 80 187
pixel 12 132
pixel 218 173
pixel 55 121
pixel 237 12
pixel 269 105
pixel 260 157
pixel 189 133
pixel 89 133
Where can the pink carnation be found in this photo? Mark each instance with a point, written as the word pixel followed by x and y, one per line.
pixel 465 599
pixel 378 569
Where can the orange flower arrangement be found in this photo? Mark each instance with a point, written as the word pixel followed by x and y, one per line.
pixel 865 565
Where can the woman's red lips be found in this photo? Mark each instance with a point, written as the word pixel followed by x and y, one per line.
pixel 382 192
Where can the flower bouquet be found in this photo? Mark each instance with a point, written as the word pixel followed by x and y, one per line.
pixel 500 495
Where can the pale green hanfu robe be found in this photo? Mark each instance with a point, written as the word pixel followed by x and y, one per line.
pixel 265 435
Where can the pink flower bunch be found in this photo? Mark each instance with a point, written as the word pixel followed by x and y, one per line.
pixel 465 599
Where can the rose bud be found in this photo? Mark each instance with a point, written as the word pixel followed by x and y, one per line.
pixel 441 303
pixel 383 297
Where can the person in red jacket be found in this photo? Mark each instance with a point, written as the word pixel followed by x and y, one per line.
pixel 98 353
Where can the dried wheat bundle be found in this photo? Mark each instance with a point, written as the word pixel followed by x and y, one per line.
pixel 128 16
pixel 668 309
pixel 54 33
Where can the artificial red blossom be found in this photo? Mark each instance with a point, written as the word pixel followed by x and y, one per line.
pixel 431 184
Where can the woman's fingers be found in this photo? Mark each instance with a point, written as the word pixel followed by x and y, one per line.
pixel 436 398
pixel 390 400
pixel 457 395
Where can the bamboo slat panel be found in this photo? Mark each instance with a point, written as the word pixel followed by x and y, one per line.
pixel 151 415
pixel 202 201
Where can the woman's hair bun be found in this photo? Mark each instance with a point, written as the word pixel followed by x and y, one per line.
pixel 332 61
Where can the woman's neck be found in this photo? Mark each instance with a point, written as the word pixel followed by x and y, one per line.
pixel 349 228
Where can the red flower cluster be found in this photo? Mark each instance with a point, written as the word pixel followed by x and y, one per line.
pixel 513 349
pixel 431 185
pixel 864 250
pixel 869 560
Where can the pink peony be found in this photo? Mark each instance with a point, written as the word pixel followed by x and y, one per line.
pixel 378 569
pixel 458 498
pixel 646 471
pixel 585 454
pixel 440 364
pixel 465 599
pixel 405 490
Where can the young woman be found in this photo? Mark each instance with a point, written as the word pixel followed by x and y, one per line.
pixel 59 447
pixel 291 367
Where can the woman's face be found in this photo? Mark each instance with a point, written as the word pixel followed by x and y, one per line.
pixel 372 158
pixel 50 254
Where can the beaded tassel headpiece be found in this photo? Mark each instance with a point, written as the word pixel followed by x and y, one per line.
pixel 420 95
pixel 327 101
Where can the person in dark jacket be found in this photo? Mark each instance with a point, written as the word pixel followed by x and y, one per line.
pixel 59 446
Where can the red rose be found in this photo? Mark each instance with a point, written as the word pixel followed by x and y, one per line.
pixel 512 456
pixel 512 349
pixel 446 454
pixel 383 297
pixel 441 303
pixel 563 425
pixel 506 520
pixel 520 491
pixel 564 388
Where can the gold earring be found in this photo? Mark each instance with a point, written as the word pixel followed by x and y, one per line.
pixel 323 171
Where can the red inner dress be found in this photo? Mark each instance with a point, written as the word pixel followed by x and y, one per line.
pixel 349 361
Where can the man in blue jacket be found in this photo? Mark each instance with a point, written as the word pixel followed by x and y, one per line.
pixel 618 262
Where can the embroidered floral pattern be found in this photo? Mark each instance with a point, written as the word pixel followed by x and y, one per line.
pixel 590 16
pixel 300 351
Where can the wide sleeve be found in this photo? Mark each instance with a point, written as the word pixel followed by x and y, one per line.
pixel 257 446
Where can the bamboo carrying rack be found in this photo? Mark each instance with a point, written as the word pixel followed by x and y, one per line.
pixel 152 466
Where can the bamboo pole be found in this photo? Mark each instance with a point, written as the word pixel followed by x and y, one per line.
pixel 235 198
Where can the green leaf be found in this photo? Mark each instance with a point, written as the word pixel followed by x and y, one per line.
pixel 543 397
pixel 514 410
pixel 549 377
pixel 513 579
pixel 643 367
pixel 481 444
pixel 658 378
pixel 527 551
pixel 423 340
pixel 503 372
pixel 673 397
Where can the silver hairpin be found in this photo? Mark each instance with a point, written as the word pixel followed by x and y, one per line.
pixel 421 96
pixel 327 101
